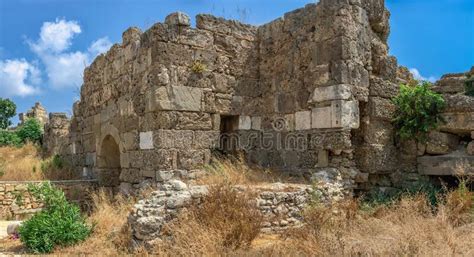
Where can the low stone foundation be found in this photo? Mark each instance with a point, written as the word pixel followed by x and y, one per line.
pixel 16 202
pixel 281 205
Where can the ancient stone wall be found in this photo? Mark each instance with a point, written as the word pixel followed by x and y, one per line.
pixel 307 94
pixel 17 203
pixel 56 132
pixel 449 151
pixel 38 112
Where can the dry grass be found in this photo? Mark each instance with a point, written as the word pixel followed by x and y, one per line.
pixel 224 222
pixel 25 164
pixel 236 171
pixel 408 228
pixel 111 236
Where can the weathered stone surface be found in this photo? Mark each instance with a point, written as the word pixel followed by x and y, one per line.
pixel 381 108
pixel 458 123
pixel 340 114
pixel 174 98
pixel 302 120
pixel 245 122
pixel 470 148
pixel 146 140
pixel 450 84
pixel 336 92
pixel 451 165
pixel 441 143
pixel 178 19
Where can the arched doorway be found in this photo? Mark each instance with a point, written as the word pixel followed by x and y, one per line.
pixel 108 162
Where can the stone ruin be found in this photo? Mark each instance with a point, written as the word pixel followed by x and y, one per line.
pixel 38 112
pixel 308 95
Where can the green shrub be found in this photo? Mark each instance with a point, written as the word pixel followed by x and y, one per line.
pixel 469 85
pixel 60 223
pixel 418 111
pixel 30 131
pixel 9 138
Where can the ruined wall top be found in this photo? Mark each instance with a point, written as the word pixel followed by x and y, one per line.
pixel 38 112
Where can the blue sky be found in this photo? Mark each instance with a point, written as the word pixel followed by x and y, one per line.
pixel 45 44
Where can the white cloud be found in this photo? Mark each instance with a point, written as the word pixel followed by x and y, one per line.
pixel 99 46
pixel 55 37
pixel 65 68
pixel 418 76
pixel 18 78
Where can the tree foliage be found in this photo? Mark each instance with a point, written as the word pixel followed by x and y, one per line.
pixel 418 111
pixel 7 111
pixel 30 131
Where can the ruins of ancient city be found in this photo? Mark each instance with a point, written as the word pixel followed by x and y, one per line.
pixel 308 96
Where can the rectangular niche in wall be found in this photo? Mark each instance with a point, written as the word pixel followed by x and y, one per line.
pixel 228 139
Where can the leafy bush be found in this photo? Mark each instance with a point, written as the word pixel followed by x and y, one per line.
pixel 418 111
pixel 31 130
pixel 469 85
pixel 7 111
pixel 60 223
pixel 9 138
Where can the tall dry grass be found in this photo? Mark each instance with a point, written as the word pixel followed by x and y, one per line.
pixel 111 235
pixel 25 164
pixel 236 171
pixel 224 222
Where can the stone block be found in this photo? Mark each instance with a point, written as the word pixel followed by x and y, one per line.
pixel 321 117
pixel 130 175
pixel 178 98
pixel 340 114
pixel 164 175
pixel 462 123
pixel 381 108
pixel 336 92
pixel 216 121
pixel 245 123
pixel 146 140
pixel 90 159
pixel 303 120
pixel 180 139
pixel 190 159
pixel 472 134
pixel 130 140
pixel 205 139
pixel 125 160
pixel 441 143
pixel 446 165
pixel 323 158
pixel 470 148
pixel 256 123
pixel 148 173
pixel 178 19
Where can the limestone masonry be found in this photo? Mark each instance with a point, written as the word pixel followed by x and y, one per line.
pixel 307 94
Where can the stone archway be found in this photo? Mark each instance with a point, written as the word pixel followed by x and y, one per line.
pixel 108 162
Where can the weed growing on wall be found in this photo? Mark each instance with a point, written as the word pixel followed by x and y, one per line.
pixel 418 111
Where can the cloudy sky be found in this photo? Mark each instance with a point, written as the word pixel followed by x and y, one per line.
pixel 46 44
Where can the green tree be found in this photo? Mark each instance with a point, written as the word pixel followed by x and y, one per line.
pixel 7 111
pixel 31 130
pixel 418 111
